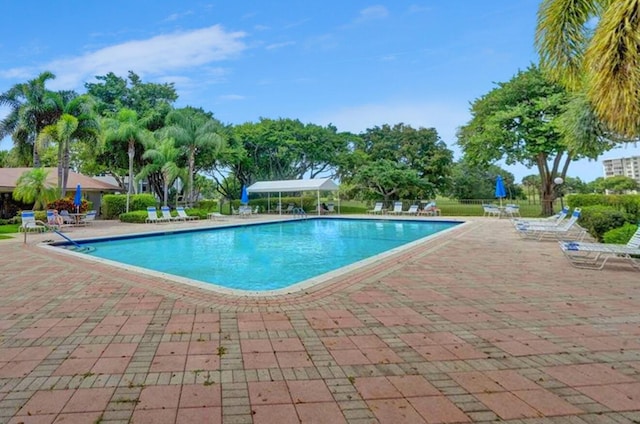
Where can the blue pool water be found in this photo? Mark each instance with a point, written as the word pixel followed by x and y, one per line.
pixel 266 256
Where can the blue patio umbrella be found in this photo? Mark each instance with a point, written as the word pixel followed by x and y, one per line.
pixel 77 199
pixel 501 192
pixel 244 198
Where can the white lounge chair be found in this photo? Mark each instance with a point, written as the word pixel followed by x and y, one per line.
pixel 88 218
pixel 377 209
pixel 183 214
pixel 165 212
pixel 568 229
pixel 552 220
pixel 413 210
pixel 491 210
pixel 596 255
pixel 152 216
pixel 397 208
pixel 546 223
pixel 512 211
pixel 430 209
pixel 31 224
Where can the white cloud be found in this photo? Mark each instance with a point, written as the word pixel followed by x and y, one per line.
pixel 279 45
pixel 372 12
pixel 156 56
pixel 231 97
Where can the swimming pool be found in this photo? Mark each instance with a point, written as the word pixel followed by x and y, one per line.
pixel 264 257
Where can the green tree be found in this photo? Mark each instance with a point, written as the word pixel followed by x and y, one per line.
pixel 591 46
pixel 420 151
pixel 619 184
pixel 388 179
pixel 521 121
pixel 126 129
pixel 32 187
pixel 163 158
pixel 470 181
pixel 195 131
pixel 76 123
pixel 31 108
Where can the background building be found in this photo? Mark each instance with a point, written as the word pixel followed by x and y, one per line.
pixel 628 167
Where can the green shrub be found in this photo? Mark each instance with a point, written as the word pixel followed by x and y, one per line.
pixel 200 213
pixel 208 205
pixel 600 219
pixel 135 217
pixel 620 235
pixel 113 205
pixel 628 203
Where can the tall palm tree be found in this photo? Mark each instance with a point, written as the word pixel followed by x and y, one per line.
pixel 77 123
pixel 163 158
pixel 193 130
pixel 31 108
pixel 603 61
pixel 126 129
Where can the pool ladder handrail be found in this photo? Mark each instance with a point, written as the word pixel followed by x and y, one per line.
pixel 298 213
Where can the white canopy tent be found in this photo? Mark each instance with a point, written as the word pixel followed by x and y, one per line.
pixel 287 186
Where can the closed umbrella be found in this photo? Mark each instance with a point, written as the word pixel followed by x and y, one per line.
pixel 77 199
pixel 501 192
pixel 244 198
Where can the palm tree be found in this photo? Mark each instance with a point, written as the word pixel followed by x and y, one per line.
pixel 31 108
pixel 76 123
pixel 32 186
pixel 126 129
pixel 193 130
pixel 164 160
pixel 603 62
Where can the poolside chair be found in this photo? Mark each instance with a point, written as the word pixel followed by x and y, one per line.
pixel 183 214
pixel 397 208
pixel 491 210
pixel 88 218
pixel 377 209
pixel 51 220
pixel 165 212
pixel 289 208
pixel 547 223
pixel 413 210
pixel 596 255
pixel 552 220
pixel 66 218
pixel 31 224
pixel 512 211
pixel 565 230
pixel 332 208
pixel 430 209
pixel 152 216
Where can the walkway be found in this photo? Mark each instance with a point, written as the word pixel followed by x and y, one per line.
pixel 477 326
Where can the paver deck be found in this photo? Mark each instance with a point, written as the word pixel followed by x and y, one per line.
pixel 474 326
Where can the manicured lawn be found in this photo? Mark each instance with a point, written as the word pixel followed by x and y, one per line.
pixel 9 228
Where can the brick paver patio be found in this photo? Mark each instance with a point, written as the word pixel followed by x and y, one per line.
pixel 474 326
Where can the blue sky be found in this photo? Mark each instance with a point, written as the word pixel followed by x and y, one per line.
pixel 354 64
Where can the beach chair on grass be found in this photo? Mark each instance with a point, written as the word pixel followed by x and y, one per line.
pixel 596 255
pixel 152 216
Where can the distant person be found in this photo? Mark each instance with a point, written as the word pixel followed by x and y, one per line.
pixel 57 219
pixel 324 208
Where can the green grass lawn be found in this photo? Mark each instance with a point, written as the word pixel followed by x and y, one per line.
pixel 9 228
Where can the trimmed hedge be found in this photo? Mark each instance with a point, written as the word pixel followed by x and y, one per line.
pixel 627 203
pixel 620 235
pixel 113 205
pixel 600 219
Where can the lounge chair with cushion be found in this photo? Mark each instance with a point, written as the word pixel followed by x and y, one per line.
pixel 66 218
pixel 30 223
pixel 430 209
pixel 183 214
pixel 552 220
pixel 152 216
pixel 596 255
pixel 377 209
pixel 88 218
